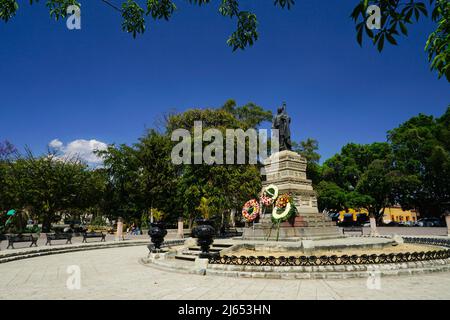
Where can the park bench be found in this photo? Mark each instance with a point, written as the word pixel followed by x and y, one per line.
pixel 229 233
pixel 21 238
pixel 58 236
pixel 91 235
pixel 353 229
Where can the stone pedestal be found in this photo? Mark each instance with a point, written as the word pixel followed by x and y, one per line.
pixel 287 170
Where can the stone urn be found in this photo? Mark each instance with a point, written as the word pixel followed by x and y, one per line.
pixel 204 232
pixel 157 233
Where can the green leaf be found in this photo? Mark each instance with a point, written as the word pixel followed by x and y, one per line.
pixel 416 13
pixel 380 43
pixel 359 37
pixel 403 28
pixel 391 39
pixel 359 33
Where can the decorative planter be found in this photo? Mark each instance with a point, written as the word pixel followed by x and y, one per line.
pixel 157 233
pixel 204 232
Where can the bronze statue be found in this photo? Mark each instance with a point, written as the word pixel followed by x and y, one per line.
pixel 282 122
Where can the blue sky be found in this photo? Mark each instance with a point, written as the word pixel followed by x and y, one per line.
pixel 101 84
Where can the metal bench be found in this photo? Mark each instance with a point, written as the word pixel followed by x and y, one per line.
pixel 21 238
pixel 58 236
pixel 91 235
pixel 353 229
pixel 229 233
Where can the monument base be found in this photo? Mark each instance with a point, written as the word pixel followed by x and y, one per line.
pixel 287 171
pixel 271 232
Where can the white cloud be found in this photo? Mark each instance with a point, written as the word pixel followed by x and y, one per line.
pixel 55 144
pixel 82 149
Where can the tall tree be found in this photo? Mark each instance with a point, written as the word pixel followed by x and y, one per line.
pixel 159 174
pixel 49 186
pixel 396 15
pixel 374 188
pixel 226 187
pixel 358 177
pixel 331 197
pixel 7 150
pixel 249 115
pixel 421 151
pixel 141 178
pixel 124 196
pixel 347 167
pixel 308 149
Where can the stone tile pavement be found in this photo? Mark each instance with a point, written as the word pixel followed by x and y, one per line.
pixel 117 274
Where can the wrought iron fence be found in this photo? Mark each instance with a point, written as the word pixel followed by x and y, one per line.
pixel 334 260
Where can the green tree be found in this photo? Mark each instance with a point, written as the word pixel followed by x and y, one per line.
pixel 347 167
pixel 123 196
pixel 308 149
pixel 48 186
pixel 226 187
pixel 7 151
pixel 374 188
pixel 422 162
pixel 331 197
pixel 249 115
pixel 140 177
pixel 134 14
pixel 358 177
pixel 159 175
pixel 204 208
pixel 396 15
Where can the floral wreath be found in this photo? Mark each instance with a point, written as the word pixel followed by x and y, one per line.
pixel 269 195
pixel 284 209
pixel 251 210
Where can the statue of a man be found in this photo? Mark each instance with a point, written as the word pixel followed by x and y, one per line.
pixel 282 122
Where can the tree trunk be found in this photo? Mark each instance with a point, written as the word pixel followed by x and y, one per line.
pixel 223 219
pixel 191 223
pixel 46 223
pixel 232 218
pixel 380 215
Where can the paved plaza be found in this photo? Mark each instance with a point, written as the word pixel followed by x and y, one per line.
pixel 117 274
